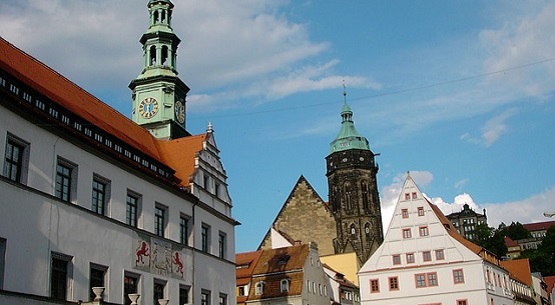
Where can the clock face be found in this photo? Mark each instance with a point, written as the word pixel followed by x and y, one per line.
pixel 180 112
pixel 148 107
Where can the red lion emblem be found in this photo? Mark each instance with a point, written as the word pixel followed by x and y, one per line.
pixel 141 251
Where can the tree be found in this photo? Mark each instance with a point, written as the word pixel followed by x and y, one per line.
pixel 515 231
pixel 543 259
pixel 490 239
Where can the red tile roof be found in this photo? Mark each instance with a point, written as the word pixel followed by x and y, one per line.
pixel 177 154
pixel 550 281
pixel 509 242
pixel 519 269
pixel 537 226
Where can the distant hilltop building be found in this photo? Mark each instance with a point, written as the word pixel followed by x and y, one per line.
pixel 466 221
pixel 97 207
pixel 348 228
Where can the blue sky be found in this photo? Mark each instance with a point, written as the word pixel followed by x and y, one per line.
pixel 460 93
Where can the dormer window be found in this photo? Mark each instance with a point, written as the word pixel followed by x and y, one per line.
pixel 259 288
pixel 282 260
pixel 284 285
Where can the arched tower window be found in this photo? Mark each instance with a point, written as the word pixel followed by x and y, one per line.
pixel 348 198
pixel 163 16
pixel 156 17
pixel 165 55
pixel 367 229
pixel 364 190
pixel 152 55
pixel 353 230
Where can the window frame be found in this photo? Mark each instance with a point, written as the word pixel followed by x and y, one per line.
pixel 56 272
pixel 374 285
pixel 3 246
pixel 222 299
pixel 65 180
pixel 133 208
pixel 458 278
pixel 440 254
pixel 405 213
pixel 184 230
pixel 97 268
pixel 407 233
pixel 259 287
pixel 396 259
pixel 160 219
pixel 102 210
pixel 284 285
pixel 137 285
pixel 205 238
pixel 423 231
pixel 205 296
pixel 410 258
pixel 184 296
pixel 22 162
pixel 426 256
pixel 393 283
pixel 158 290
pixel 222 244
pixel 420 211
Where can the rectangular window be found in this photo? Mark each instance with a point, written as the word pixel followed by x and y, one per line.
pixel 410 258
pixel 458 276
pixel 396 259
pixel 130 285
pixel 97 274
pixel 184 230
pixel 414 195
pixel 394 283
pixel 432 279
pixel 66 180
pixel 184 294
pixel 132 209
pixel 158 290
pixel 100 194
pixel 60 273
pixel 2 261
pixel 420 280
pixel 407 196
pixel 420 211
pixel 223 299
pixel 205 238
pixel 406 233
pixel 222 241
pixel 426 256
pixel 374 286
pixel 16 160
pixel 205 297
pixel 423 231
pixel 440 255
pixel 405 213
pixel 462 302
pixel 242 291
pixel 160 220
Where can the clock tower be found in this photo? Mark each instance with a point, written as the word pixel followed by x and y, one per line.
pixel 353 191
pixel 158 93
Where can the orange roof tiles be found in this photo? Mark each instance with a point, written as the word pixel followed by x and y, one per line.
pixel 519 269
pixel 509 242
pixel 177 154
pixel 248 258
pixel 282 259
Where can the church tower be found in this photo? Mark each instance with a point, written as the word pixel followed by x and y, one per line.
pixel 353 191
pixel 158 93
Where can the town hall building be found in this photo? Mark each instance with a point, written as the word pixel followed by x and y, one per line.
pixel 92 199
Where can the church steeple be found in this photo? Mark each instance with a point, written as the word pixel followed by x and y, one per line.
pixel 158 93
pixel 353 190
pixel 348 137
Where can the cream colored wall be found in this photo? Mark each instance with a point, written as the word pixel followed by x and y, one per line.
pixel 346 263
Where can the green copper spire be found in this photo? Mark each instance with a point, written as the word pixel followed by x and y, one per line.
pixel 348 137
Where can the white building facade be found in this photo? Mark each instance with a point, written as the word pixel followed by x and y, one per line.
pixel 90 198
pixel 423 260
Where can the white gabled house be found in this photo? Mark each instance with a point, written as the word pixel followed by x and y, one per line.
pixel 424 260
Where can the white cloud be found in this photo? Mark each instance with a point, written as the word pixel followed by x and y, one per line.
pixel 492 129
pixel 229 50
pixel 524 211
